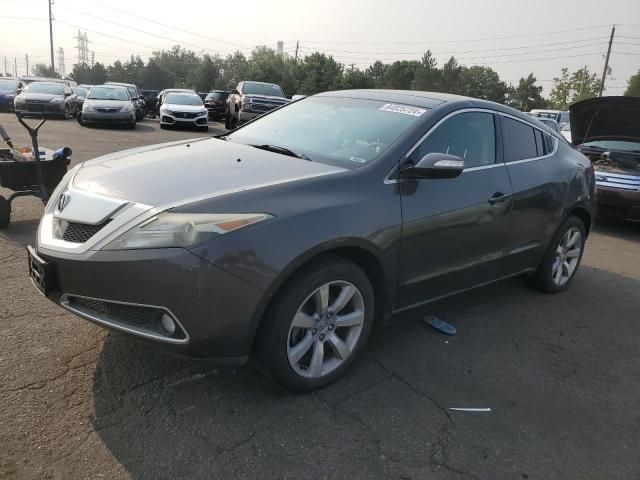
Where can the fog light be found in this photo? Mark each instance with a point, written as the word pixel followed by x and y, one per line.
pixel 168 324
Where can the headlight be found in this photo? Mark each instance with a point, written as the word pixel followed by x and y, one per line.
pixel 57 100
pixel 204 112
pixel 88 107
pixel 127 108
pixel 182 229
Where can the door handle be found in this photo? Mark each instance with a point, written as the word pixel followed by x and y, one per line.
pixel 499 197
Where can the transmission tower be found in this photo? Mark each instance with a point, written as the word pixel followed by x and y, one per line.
pixel 82 47
pixel 61 68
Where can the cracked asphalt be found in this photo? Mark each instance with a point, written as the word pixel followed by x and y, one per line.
pixel 560 374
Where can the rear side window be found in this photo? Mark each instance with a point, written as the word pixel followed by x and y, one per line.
pixel 519 140
pixel 470 136
pixel 548 143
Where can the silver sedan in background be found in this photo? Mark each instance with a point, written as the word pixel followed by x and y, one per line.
pixel 108 104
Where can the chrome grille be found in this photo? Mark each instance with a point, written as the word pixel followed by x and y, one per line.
pixel 618 181
pixel 81 232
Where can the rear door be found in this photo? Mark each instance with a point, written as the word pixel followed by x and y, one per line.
pixel 539 182
pixel 454 232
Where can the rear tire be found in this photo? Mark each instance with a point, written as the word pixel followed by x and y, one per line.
pixel 325 311
pixel 5 212
pixel 562 258
pixel 163 126
pixel 66 113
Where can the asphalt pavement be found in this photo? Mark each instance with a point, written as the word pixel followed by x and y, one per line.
pixel 560 373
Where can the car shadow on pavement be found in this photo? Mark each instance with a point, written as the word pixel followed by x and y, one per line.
pixel 526 355
pixel 619 228
pixel 21 232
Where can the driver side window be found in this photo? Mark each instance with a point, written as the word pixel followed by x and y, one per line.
pixel 469 135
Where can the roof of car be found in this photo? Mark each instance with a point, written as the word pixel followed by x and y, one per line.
pixel 261 83
pixel 427 100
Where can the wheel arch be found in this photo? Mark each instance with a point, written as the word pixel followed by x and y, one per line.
pixel 359 252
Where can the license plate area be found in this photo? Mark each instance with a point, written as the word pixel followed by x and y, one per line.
pixel 41 272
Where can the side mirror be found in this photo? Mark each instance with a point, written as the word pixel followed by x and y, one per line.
pixel 435 165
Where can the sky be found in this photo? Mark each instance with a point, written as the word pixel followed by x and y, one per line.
pixel 514 37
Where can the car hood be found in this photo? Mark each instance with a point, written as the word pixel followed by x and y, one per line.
pixel 5 91
pixel 39 96
pixel 605 118
pixel 106 103
pixel 177 173
pixel 174 107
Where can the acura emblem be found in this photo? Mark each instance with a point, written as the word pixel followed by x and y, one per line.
pixel 63 201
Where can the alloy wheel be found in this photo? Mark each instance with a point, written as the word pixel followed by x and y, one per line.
pixel 567 256
pixel 325 329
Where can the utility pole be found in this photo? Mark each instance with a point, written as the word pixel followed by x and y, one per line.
pixel 295 66
pixel 584 74
pixel 4 72
pixel 15 67
pixel 606 61
pixel 50 2
pixel 26 59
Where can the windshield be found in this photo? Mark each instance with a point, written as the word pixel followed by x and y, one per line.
pixel 217 96
pixel 262 89
pixel 81 92
pixel 183 99
pixel 8 84
pixel 40 87
pixel 622 145
pixel 344 131
pixel 108 93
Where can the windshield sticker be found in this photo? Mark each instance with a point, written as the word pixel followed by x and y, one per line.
pixel 407 110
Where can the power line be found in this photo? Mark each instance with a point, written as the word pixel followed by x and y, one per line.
pixel 167 25
pixel 459 40
pixel 140 30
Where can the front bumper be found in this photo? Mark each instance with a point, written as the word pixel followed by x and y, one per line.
pixel 104 117
pixel 618 203
pixel 215 111
pixel 6 103
pixel 183 121
pixel 214 308
pixel 41 108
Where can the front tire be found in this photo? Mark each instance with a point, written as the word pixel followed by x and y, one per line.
pixel 562 258
pixel 319 322
pixel 66 113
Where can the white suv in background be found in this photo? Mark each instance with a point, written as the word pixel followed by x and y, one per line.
pixel 183 109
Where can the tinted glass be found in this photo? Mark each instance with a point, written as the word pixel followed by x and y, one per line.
pixel 539 143
pixel 342 131
pixel 8 84
pixel 470 136
pixel 183 99
pixel 217 96
pixel 41 87
pixel 519 140
pixel 81 92
pixel 548 143
pixel 108 93
pixel 262 89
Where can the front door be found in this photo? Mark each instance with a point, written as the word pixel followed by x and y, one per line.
pixel 454 232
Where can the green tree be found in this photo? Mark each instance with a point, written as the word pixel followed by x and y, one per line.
pixel 527 95
pixel 376 73
pixel 265 65
pixel 156 77
pixel 633 86
pixel 234 70
pixel 42 70
pixel 116 72
pixel 450 77
pixel 482 82
pixel 320 73
pixel 572 88
pixel 353 78
pixel 401 75
pixel 203 77
pixel 98 74
pixel 428 76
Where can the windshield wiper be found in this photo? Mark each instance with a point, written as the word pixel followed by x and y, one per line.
pixel 282 150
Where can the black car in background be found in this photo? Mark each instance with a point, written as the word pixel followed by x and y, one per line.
pixel 215 102
pixel 151 101
pixel 286 239
pixel 10 88
pixel 47 98
pixel 81 94
pixel 137 99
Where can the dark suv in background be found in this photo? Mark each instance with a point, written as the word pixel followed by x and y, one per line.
pixel 215 102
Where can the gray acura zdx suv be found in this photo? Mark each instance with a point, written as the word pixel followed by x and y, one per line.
pixel 285 239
